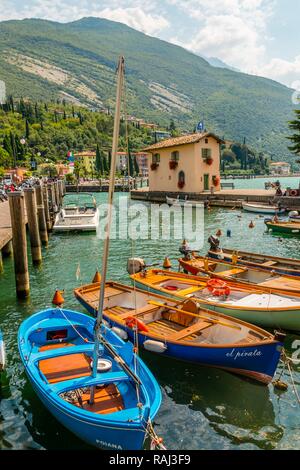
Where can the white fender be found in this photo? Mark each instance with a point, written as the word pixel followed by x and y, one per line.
pixel 2 355
pixel 121 333
pixel 155 346
pixel 103 365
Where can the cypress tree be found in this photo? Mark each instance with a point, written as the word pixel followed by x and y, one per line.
pixel 109 159
pixel 27 129
pixel 136 166
pixel 131 169
pixel 13 146
pixel 295 137
pixel 99 161
pixel 105 164
pixel 65 116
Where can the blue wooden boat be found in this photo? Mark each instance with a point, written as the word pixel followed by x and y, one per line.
pixel 56 348
pixel 183 330
pixel 2 352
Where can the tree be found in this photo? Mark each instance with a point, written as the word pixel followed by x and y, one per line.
pixel 295 137
pixel 5 158
pixel 130 162
pixel 136 166
pixel 99 161
pixel 27 129
pixel 105 165
pixel 228 156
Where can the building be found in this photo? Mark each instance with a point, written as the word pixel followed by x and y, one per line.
pixel 141 158
pixel 62 169
pixel 160 135
pixel 86 159
pixel 280 169
pixel 190 163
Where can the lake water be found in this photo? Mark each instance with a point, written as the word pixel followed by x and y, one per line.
pixel 202 408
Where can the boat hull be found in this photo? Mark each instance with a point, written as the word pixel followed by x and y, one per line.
pixel 105 431
pixel 281 228
pixel 262 209
pixel 2 353
pixel 277 269
pixel 286 319
pixel 258 362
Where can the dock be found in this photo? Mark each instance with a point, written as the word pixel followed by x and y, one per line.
pixel 5 224
pixel 223 198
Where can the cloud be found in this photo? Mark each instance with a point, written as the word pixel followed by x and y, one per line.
pixel 285 71
pixel 232 30
pixel 136 18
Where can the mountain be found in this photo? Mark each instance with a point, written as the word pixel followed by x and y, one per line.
pixel 215 62
pixel 45 60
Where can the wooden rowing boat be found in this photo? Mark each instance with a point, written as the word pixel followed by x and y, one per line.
pixel 262 208
pixel 184 330
pixel 245 275
pixel 291 227
pixel 286 266
pixel 246 303
pixel 56 348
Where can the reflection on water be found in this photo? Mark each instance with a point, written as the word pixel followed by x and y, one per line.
pixel 203 408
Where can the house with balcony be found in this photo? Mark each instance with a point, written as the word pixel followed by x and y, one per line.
pixel 280 169
pixel 189 163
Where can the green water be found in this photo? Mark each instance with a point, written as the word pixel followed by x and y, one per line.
pixel 202 408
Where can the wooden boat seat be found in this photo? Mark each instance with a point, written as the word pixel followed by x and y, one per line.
pixel 65 367
pixel 107 399
pixel 138 311
pixel 232 272
pixel 111 291
pixel 199 326
pixel 269 263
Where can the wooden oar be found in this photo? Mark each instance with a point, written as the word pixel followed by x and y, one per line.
pixel 158 304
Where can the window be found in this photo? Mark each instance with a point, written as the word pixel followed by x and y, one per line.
pixel 156 158
pixel 175 156
pixel 206 153
pixel 181 180
pixel 206 141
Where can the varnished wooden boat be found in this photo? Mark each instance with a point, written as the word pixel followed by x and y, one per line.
pixel 289 266
pixel 183 330
pixel 245 275
pixel 291 227
pixel 246 303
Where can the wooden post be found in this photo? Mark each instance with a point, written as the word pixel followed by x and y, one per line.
pixel 17 214
pixel 33 225
pixel 1 263
pixel 56 194
pixel 7 249
pixel 60 192
pixel 52 199
pixel 41 215
pixel 46 207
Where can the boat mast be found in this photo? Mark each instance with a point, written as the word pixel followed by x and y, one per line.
pixel 120 70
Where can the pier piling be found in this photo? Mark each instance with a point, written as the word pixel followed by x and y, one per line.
pixel 33 225
pixel 17 213
pixel 7 250
pixel 41 215
pixel 56 194
pixel 46 207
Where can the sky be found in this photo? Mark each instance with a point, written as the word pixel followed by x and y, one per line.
pixel 260 37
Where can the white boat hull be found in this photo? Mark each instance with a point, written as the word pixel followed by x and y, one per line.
pixel 260 209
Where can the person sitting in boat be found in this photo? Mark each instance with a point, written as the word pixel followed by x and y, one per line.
pixel 279 191
pixel 185 250
pixel 214 243
pixel 275 219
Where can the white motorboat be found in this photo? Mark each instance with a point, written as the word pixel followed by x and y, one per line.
pixel 262 208
pixel 172 201
pixel 82 217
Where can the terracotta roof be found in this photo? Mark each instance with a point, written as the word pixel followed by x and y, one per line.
pixel 182 140
pixel 279 164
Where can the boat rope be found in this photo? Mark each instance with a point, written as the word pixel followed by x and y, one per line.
pixel 74 328
pixel 156 441
pixel 278 383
